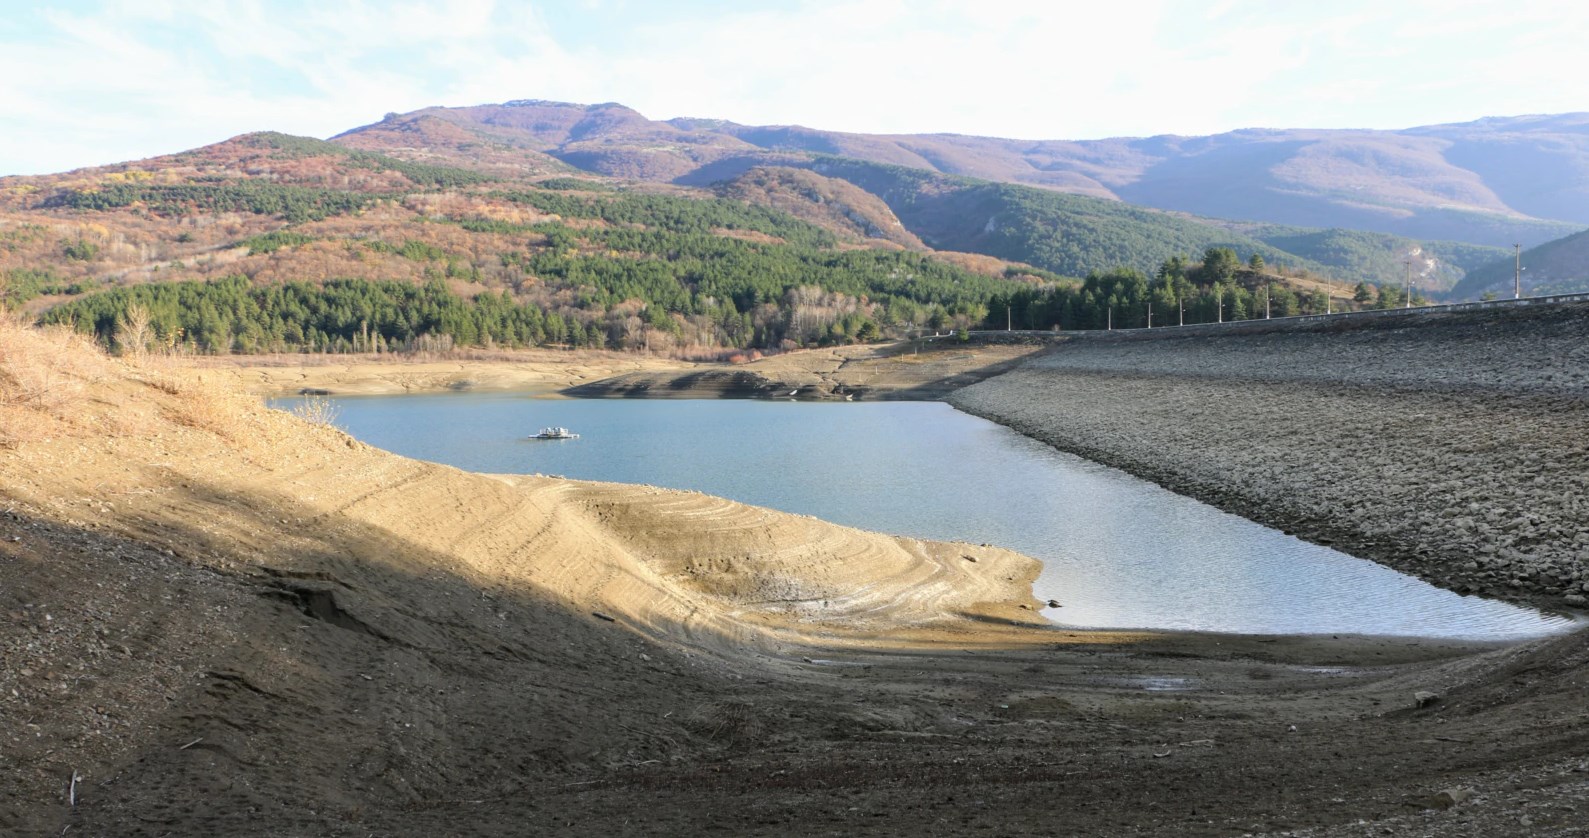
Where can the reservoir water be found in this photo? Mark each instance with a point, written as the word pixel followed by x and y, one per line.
pixel 1116 551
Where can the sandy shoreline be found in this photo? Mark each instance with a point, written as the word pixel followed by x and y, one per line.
pixel 536 371
pixel 912 371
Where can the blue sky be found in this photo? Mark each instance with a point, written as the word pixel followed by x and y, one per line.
pixel 100 81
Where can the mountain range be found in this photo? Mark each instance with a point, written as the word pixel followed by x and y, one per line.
pixel 1494 181
pixel 478 196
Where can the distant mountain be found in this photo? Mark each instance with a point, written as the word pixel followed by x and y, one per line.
pixel 432 140
pixel 1555 267
pixel 1076 234
pixel 1491 182
pixel 1070 235
pixel 837 205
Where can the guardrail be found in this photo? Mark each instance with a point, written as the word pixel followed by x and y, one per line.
pixel 1478 305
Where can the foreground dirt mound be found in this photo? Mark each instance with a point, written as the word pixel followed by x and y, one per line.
pixel 209 596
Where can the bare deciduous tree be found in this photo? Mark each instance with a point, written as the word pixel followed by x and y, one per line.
pixel 132 331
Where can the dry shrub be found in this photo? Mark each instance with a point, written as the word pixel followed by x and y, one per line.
pixel 317 410
pixel 204 404
pixel 729 722
pixel 43 373
pixel 54 381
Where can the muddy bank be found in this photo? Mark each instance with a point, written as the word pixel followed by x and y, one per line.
pixel 922 370
pixel 703 384
pixel 540 370
pixel 928 369
pixel 1456 449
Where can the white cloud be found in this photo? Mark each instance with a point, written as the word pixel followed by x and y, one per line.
pixel 140 78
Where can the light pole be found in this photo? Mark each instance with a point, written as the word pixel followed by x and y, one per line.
pixel 1517 274
pixel 1406 287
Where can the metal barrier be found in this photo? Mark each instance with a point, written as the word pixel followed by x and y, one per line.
pixel 1479 305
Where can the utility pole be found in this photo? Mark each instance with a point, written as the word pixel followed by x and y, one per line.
pixel 1219 305
pixel 1111 318
pixel 1407 286
pixel 1150 314
pixel 1007 322
pixel 1517 274
pixel 1266 296
pixel 1182 301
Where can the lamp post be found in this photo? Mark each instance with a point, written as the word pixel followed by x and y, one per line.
pixel 1406 287
pixel 1517 274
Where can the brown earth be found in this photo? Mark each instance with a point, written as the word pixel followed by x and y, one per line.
pixel 920 369
pixel 924 369
pixel 223 620
pixel 540 370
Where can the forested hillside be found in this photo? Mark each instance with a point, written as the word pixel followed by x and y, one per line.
pixel 1180 291
pixel 260 251
pixel 534 224
pixel 1378 257
pixel 1555 267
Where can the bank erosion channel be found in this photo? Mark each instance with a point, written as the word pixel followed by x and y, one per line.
pixel 1117 551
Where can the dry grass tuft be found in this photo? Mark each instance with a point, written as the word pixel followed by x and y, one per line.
pixel 55 382
pixel 318 410
pixel 731 722
pixel 43 374
pixel 204 404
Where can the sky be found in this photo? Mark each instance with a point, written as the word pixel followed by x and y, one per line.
pixel 90 82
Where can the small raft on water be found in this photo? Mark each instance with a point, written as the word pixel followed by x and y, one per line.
pixel 555 433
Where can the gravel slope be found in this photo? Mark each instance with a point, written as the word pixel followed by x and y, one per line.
pixel 1454 447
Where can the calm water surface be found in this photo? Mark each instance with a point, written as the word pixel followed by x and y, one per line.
pixel 1116 551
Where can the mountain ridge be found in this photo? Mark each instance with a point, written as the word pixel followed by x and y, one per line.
pixel 1402 182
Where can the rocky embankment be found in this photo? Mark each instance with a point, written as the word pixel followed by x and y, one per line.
pixel 1454 447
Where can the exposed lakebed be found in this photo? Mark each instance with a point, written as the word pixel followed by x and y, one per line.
pixel 1117 551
